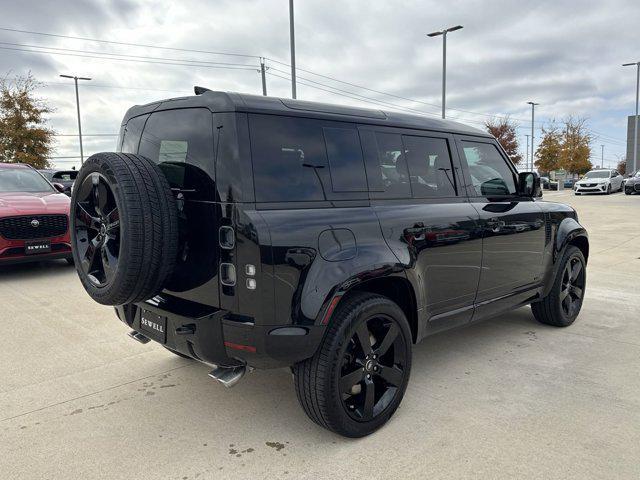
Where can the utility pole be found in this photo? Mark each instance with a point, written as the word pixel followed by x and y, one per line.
pixel 75 79
pixel 527 162
pixel 292 37
pixel 533 116
pixel 264 77
pixel 634 160
pixel 602 157
pixel 444 61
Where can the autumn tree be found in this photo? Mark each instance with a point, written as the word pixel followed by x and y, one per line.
pixel 622 166
pixel 548 152
pixel 505 132
pixel 24 136
pixel 576 146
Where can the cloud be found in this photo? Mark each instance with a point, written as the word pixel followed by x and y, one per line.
pixel 566 55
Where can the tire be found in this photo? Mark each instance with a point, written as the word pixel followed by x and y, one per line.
pixel 551 309
pixel 318 379
pixel 124 228
pixel 609 189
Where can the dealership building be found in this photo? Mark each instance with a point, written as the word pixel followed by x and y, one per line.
pixel 631 128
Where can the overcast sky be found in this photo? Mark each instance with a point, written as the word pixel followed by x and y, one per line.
pixel 564 54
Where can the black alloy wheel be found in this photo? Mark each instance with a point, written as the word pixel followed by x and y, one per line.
pixel 356 380
pixel 373 368
pixel 97 229
pixel 562 304
pixel 572 286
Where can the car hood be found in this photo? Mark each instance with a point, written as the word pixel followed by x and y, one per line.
pixel 594 180
pixel 42 203
pixel 633 180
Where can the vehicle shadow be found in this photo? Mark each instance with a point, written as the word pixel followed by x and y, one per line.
pixel 24 271
pixel 272 394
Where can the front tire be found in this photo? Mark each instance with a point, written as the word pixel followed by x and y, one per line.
pixel 563 303
pixel 609 189
pixel 357 378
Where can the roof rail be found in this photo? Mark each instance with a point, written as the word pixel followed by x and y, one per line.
pixel 200 90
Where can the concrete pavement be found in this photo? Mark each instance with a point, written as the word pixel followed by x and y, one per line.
pixel 507 398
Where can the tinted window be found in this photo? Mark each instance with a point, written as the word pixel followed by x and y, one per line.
pixel 393 173
pixel 181 143
pixel 430 167
pixel 345 160
pixel 132 133
pixel 489 172
pixel 289 159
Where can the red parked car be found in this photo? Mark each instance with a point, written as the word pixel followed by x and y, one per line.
pixel 34 216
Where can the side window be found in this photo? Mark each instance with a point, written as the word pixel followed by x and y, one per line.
pixel 132 134
pixel 393 173
pixel 430 167
pixel 181 143
pixel 289 159
pixel 345 160
pixel 489 172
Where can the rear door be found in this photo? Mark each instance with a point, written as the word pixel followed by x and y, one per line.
pixel 181 142
pixel 512 227
pixel 426 219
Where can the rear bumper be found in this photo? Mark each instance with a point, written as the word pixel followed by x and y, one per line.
pixel 213 336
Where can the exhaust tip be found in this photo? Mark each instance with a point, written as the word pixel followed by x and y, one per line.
pixel 139 337
pixel 228 376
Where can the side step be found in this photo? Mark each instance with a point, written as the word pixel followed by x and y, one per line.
pixel 139 337
pixel 228 376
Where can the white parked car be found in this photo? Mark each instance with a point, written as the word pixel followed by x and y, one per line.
pixel 599 181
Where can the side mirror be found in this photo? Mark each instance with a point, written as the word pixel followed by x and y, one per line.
pixel 59 187
pixel 529 185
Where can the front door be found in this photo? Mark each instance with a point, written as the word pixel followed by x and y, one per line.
pixel 513 227
pixel 426 220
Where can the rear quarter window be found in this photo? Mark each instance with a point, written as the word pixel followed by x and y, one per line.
pixel 304 160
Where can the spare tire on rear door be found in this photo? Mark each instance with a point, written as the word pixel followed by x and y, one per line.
pixel 124 228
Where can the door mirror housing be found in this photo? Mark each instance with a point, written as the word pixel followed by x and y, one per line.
pixel 529 184
pixel 59 187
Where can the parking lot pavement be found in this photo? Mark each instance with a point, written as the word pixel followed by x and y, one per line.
pixel 507 398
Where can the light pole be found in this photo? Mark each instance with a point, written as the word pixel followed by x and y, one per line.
pixel 444 61
pixel 533 116
pixel 602 157
pixel 634 160
pixel 527 162
pixel 292 38
pixel 75 79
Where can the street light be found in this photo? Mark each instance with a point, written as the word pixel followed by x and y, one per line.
pixel 527 161
pixel 634 160
pixel 75 79
pixel 444 60
pixel 602 157
pixel 292 40
pixel 533 108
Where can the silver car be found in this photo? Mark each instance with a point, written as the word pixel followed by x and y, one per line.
pixel 599 181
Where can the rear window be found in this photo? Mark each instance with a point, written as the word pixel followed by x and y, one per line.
pixel 181 143
pixel 298 159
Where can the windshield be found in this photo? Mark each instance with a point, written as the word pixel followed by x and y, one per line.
pixel 22 180
pixel 597 174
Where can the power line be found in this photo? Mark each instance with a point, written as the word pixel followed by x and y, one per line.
pixel 86 134
pixel 145 57
pixel 96 85
pixel 87 39
pixel 248 67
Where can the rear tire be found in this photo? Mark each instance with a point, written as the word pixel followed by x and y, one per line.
pixel 563 303
pixel 353 387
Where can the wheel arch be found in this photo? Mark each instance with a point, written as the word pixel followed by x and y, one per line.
pixel 396 288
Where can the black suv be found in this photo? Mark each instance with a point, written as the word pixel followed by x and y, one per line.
pixel 257 232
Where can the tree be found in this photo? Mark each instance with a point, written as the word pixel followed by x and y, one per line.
pixel 622 166
pixel 24 136
pixel 576 146
pixel 548 152
pixel 505 132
